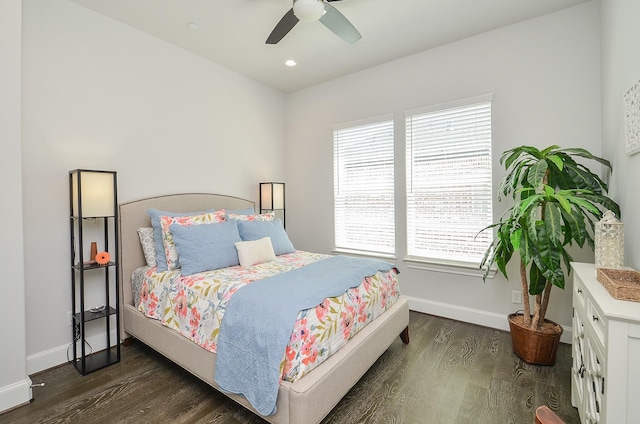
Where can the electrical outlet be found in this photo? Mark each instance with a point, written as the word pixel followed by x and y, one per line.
pixel 516 297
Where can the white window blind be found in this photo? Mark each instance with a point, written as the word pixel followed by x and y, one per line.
pixel 449 190
pixel 363 187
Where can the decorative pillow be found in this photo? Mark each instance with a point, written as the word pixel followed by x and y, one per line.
pixel 137 282
pixel 148 245
pixel 154 215
pixel 255 230
pixel 247 211
pixel 269 216
pixel 206 247
pixel 167 237
pixel 255 252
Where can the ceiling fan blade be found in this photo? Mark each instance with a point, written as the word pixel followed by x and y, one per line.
pixel 286 24
pixel 336 22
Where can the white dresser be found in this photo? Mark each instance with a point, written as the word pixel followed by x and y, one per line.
pixel 605 376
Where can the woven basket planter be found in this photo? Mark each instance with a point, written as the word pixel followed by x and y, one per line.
pixel 535 347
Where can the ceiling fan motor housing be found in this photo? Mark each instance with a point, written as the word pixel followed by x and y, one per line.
pixel 308 10
pixel 315 10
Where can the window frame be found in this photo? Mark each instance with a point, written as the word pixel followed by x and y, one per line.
pixel 433 263
pixel 382 120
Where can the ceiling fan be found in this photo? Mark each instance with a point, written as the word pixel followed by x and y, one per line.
pixel 314 10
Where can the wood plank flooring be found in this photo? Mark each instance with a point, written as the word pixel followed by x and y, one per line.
pixel 451 372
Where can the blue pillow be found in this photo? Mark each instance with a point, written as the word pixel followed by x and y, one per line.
pixel 255 230
pixel 206 246
pixel 155 214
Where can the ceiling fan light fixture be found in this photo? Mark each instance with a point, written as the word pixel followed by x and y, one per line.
pixel 308 10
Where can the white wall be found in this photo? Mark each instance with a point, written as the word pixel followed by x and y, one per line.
pixel 100 95
pixel 15 385
pixel 544 75
pixel 620 70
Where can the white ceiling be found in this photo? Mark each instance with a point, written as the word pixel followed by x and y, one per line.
pixel 232 32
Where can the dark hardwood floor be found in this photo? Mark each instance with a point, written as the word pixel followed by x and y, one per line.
pixel 451 372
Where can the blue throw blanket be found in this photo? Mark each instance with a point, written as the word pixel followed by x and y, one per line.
pixel 260 317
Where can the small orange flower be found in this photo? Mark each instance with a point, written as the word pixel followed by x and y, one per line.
pixel 103 258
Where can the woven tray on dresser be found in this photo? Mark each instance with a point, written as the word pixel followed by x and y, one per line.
pixel 622 284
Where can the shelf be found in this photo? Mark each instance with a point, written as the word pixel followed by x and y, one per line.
pixel 93 203
pixel 97 360
pixel 90 316
pixel 91 218
pixel 88 266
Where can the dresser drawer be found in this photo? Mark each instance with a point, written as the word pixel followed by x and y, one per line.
pixel 579 294
pixel 597 322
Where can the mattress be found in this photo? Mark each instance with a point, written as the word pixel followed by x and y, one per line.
pixel 194 306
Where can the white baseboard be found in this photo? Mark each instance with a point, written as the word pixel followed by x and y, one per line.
pixel 58 355
pixel 47 359
pixel 15 394
pixel 470 315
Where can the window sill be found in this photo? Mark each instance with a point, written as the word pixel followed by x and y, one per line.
pixel 451 267
pixel 364 253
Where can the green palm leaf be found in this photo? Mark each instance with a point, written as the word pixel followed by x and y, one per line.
pixel 553 224
pixel 586 154
pixel 606 202
pixel 583 179
pixel 557 161
pixel 550 150
pixel 510 156
pixel 575 221
pixel 562 201
pixel 585 205
pixel 537 173
pixel 525 248
pixel 560 179
pixel 537 281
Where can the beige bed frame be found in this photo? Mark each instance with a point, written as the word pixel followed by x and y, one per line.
pixel 308 400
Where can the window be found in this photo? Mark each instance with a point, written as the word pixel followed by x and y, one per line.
pixel 449 191
pixel 363 186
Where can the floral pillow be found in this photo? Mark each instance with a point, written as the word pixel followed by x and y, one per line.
pixel 148 245
pixel 167 238
pixel 154 215
pixel 269 216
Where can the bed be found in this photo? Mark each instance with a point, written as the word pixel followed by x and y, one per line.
pixel 305 401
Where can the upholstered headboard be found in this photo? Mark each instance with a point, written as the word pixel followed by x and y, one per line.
pixel 133 215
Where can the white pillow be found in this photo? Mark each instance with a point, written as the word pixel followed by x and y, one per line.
pixel 255 252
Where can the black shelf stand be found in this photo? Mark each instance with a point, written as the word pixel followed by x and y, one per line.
pixel 84 360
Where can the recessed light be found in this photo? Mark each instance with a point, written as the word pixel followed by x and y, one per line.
pixel 193 26
pixel 290 63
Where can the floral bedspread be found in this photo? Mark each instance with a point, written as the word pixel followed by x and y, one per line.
pixel 195 305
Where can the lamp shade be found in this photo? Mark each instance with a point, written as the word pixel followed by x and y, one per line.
pixel 93 193
pixel 308 10
pixel 271 196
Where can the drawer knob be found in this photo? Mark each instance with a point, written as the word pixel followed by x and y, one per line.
pixel 595 318
pixel 579 291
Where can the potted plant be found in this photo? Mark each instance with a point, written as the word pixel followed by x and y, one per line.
pixel 556 201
